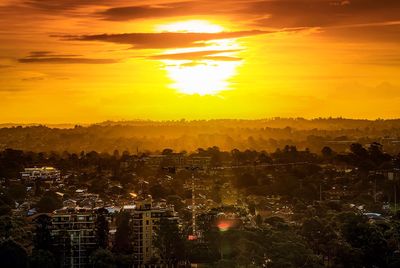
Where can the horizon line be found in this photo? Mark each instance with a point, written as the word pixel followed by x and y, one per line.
pixel 143 120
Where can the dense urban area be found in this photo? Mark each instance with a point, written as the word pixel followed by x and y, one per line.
pixel 335 206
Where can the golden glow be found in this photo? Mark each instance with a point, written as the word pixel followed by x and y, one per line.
pixel 289 70
pixel 202 78
pixel 191 26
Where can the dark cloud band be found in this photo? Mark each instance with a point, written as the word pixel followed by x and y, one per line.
pixel 164 40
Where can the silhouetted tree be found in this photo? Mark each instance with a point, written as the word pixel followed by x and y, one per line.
pixel 49 202
pixel 102 228
pixel 169 242
pixel 42 259
pixel 123 235
pixel 327 152
pixel 42 239
pixel 13 254
pixel 102 258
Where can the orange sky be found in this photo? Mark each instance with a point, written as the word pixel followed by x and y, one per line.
pixel 95 60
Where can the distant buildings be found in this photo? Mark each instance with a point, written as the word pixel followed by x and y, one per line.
pixel 177 161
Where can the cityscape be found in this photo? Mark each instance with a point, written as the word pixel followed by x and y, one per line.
pixel 199 134
pixel 208 208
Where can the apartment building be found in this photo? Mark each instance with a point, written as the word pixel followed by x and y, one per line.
pixel 145 219
pixel 74 234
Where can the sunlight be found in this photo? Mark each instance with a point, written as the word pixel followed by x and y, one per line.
pixel 209 73
pixel 202 78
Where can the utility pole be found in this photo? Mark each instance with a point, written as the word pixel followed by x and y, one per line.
pixel 194 231
pixel 194 212
pixel 395 198
pixel 72 249
pixel 375 190
pixel 79 248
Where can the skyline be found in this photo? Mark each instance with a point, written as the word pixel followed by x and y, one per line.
pixel 92 61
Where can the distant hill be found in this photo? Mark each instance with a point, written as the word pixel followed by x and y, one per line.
pixel 142 135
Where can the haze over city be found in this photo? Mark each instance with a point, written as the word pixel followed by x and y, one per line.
pixel 199 133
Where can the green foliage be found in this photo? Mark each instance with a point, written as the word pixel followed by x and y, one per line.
pixel 13 254
pixel 169 242
pixel 16 228
pixel 43 239
pixel 42 259
pixel 158 191
pixel 49 202
pixel 123 260
pixel 259 220
pixel 366 237
pixel 176 201
pixel 102 258
pixel 102 228
pixel 246 180
pixel 17 192
pixel 4 209
pixel 202 252
pixel 123 235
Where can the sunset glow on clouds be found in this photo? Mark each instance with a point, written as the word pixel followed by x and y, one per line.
pixel 94 60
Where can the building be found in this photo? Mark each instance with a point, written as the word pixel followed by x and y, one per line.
pixel 202 162
pixel 43 173
pixel 74 234
pixel 178 161
pixel 145 219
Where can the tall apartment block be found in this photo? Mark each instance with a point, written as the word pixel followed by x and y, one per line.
pixel 145 221
pixel 74 234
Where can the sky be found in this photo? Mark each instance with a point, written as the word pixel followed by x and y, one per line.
pixel 87 61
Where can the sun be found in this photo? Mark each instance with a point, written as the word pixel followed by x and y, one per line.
pixel 201 78
pixel 208 75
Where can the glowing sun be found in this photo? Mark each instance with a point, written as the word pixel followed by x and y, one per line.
pixel 206 75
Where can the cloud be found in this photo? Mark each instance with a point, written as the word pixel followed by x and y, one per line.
pixel 269 13
pixel 67 60
pixel 163 40
pixel 61 5
pixel 197 55
pixel 172 9
pixel 276 14
pixel 31 79
pixel 42 54
pixel 372 32
pixel 306 13
pixel 51 58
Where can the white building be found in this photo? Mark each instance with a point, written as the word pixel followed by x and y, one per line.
pixel 43 173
